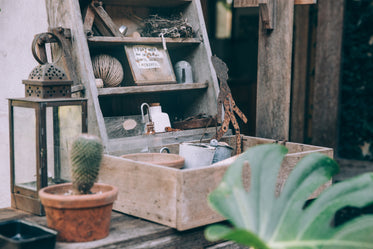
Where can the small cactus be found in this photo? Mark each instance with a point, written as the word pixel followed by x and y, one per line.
pixel 85 155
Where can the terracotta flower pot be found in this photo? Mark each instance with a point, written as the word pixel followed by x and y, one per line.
pixel 79 218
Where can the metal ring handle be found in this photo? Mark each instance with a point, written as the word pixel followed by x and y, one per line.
pixel 40 40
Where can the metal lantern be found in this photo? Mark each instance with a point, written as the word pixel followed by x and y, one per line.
pixel 42 127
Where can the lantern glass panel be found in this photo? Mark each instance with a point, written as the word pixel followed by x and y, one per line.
pixel 24 121
pixel 64 123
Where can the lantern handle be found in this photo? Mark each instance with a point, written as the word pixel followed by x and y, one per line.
pixel 38 47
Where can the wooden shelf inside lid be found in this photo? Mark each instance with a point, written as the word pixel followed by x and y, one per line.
pixel 101 41
pixel 150 89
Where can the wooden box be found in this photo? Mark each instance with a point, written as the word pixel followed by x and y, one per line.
pixel 178 197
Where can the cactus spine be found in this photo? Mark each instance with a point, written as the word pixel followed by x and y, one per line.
pixel 85 155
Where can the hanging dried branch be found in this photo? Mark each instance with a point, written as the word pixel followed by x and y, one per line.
pixel 173 26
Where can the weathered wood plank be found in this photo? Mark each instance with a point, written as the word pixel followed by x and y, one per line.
pixel 130 232
pixel 67 14
pixel 194 186
pixel 267 13
pixel 327 72
pixel 299 74
pixel 142 178
pixel 97 41
pixel 350 168
pixel 10 214
pixel 148 89
pixel 89 18
pixel 147 3
pixel 274 74
pixel 255 3
pixel 103 21
pixel 227 245
pixel 245 3
pixel 305 1
pixel 177 198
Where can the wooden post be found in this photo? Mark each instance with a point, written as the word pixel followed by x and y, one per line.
pixel 274 74
pixel 67 14
pixel 327 72
pixel 300 73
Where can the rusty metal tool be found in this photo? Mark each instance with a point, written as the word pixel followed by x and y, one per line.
pixel 226 101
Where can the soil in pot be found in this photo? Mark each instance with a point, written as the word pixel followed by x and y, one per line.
pixel 79 218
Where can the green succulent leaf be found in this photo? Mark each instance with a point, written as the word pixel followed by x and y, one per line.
pixel 262 220
pixel 242 236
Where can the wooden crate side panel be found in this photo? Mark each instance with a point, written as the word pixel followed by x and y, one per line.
pixel 248 142
pixel 145 190
pixel 192 206
pixel 290 162
pixel 196 184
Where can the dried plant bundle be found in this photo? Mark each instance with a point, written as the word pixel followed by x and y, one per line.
pixel 174 26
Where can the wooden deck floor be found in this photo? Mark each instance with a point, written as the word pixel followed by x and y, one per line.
pixel 131 232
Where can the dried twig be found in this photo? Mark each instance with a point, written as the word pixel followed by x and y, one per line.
pixel 174 27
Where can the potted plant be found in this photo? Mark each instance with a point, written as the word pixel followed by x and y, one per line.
pixel 261 220
pixel 81 210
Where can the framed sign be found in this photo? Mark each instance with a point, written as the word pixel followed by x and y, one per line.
pixel 150 64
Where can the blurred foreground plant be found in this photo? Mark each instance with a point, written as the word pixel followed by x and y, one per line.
pixel 262 221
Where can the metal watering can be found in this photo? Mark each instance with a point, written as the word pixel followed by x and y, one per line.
pixel 203 154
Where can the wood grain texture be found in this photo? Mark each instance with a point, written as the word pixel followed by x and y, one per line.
pixel 274 74
pixel 327 72
pixel 296 152
pixel 255 3
pixel 67 14
pixel 177 198
pixel 107 41
pixel 147 3
pixel 305 1
pixel 245 3
pixel 299 73
pixel 267 13
pixel 194 187
pixel 103 21
pixel 89 18
pixel 137 182
pixel 351 168
pixel 130 232
pixel 150 89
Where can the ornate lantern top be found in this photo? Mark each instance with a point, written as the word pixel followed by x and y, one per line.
pixel 47 80
pixel 48 72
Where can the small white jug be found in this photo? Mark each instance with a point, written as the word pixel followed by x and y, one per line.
pixel 159 118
